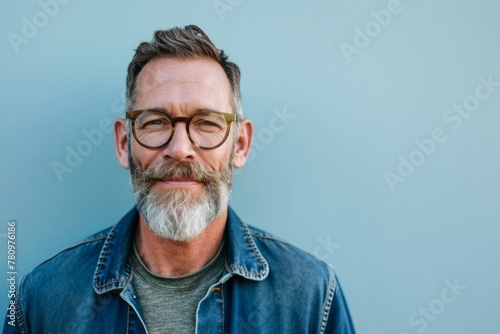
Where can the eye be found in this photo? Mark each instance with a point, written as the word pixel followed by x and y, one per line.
pixel 155 122
pixel 206 122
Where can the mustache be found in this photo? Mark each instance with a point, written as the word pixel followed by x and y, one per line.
pixel 166 170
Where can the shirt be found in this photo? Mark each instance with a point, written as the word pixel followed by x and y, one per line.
pixel 169 303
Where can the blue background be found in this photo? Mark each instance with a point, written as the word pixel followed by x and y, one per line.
pixel 318 181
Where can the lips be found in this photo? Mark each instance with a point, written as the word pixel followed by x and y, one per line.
pixel 179 181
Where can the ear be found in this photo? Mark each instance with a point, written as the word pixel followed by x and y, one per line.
pixel 243 144
pixel 121 147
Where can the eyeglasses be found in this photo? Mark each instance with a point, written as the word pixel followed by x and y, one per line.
pixel 154 128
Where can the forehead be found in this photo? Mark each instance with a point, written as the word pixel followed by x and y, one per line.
pixel 170 82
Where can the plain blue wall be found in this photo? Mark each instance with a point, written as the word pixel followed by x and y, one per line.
pixel 361 89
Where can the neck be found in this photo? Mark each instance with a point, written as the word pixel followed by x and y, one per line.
pixel 165 257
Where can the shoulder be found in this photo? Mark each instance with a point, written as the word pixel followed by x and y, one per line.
pixel 276 246
pixel 286 257
pixel 89 246
pixel 65 281
pixel 295 268
pixel 78 260
pixel 291 269
pixel 85 254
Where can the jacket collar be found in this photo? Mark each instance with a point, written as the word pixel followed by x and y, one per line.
pixel 113 269
pixel 244 257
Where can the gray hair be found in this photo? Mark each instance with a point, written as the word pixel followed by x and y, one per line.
pixel 189 42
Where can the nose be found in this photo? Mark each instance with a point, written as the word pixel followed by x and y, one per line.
pixel 180 147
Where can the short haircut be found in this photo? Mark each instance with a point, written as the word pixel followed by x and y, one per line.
pixel 189 42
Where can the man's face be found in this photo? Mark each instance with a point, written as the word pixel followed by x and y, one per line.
pixel 180 188
pixel 181 88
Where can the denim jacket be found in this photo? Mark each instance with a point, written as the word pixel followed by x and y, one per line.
pixel 267 286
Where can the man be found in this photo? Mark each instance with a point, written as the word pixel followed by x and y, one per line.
pixel 181 261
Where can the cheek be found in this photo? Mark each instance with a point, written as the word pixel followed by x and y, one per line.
pixel 218 159
pixel 142 157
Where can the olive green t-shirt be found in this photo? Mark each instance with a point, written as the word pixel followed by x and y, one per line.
pixel 169 304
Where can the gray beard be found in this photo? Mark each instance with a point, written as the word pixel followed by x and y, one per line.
pixel 180 214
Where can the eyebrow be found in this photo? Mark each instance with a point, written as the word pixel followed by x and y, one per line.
pixel 197 111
